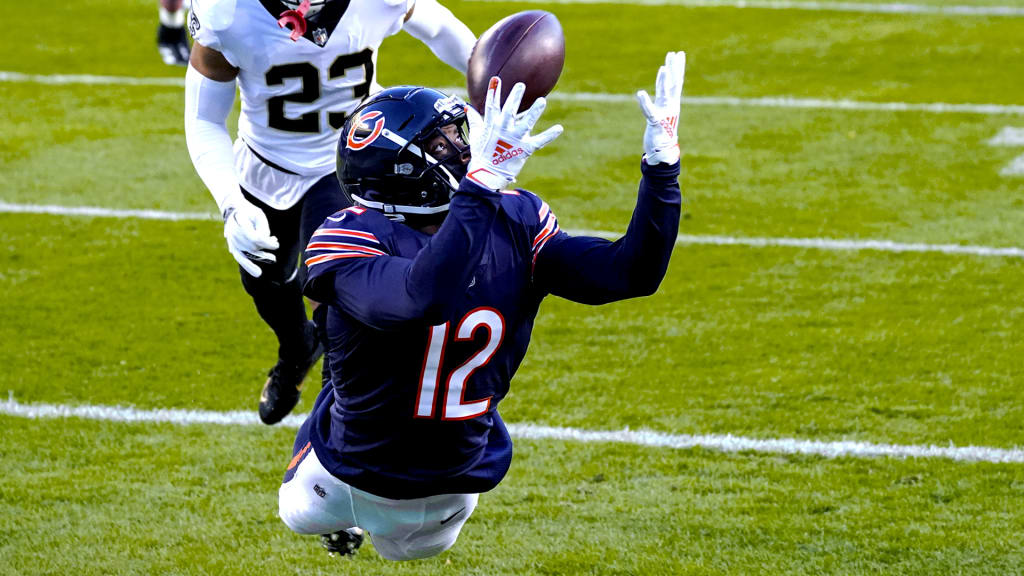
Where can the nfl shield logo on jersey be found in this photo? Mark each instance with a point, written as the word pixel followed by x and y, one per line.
pixel 320 37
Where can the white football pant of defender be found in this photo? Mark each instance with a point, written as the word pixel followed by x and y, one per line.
pixel 316 502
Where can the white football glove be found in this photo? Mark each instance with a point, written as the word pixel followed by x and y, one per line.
pixel 500 141
pixel 248 234
pixel 661 139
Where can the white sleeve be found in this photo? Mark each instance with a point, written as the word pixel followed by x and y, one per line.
pixel 207 105
pixel 448 38
pixel 208 21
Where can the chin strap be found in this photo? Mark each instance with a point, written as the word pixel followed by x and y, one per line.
pixel 295 20
pixel 397 211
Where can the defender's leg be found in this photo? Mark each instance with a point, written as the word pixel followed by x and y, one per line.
pixel 277 295
pixel 170 36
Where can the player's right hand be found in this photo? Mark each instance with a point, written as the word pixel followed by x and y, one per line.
pixel 661 138
pixel 500 141
pixel 248 234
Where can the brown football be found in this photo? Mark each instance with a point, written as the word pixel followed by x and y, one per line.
pixel 526 47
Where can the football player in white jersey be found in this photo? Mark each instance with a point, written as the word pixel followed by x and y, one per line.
pixel 301 68
pixel 170 36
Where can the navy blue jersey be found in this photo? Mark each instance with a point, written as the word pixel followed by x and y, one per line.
pixel 426 332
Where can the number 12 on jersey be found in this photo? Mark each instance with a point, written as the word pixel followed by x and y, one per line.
pixel 455 407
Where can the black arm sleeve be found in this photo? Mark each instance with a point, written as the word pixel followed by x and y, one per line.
pixel 596 271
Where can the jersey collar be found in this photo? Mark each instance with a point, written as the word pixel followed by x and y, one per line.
pixel 319 28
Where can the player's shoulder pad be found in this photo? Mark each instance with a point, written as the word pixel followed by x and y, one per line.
pixel 523 206
pixel 214 15
pixel 534 213
pixel 347 234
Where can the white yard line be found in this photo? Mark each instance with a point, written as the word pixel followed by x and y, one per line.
pixel 717 442
pixel 8 208
pixel 682 240
pixel 63 79
pixel 858 7
pixel 603 97
pixel 828 244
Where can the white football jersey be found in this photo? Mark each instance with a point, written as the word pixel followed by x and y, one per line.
pixel 295 95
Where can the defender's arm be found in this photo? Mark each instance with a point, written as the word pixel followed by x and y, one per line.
pixel 446 36
pixel 209 98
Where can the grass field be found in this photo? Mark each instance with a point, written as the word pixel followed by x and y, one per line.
pixel 875 346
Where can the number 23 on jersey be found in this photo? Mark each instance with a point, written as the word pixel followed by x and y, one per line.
pixel 309 93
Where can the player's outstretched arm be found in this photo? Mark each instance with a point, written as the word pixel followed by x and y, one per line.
pixel 209 98
pixel 385 291
pixel 446 36
pixel 595 271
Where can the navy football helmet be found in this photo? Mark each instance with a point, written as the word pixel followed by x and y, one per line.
pixel 403 153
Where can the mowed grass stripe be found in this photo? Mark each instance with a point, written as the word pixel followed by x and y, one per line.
pixel 717 442
pixel 96 498
pixel 772 343
pixel 856 7
pixel 682 239
pixel 594 97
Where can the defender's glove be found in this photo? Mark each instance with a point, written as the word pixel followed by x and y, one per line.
pixel 248 234
pixel 661 139
pixel 500 141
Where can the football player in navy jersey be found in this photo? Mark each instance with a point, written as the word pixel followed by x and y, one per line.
pixel 301 67
pixel 433 278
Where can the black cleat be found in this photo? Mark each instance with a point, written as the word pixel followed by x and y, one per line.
pixel 284 382
pixel 343 543
pixel 173 45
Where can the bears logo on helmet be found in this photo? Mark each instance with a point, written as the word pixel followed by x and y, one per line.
pixel 410 170
pixel 360 125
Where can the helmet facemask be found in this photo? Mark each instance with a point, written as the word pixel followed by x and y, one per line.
pixel 446 151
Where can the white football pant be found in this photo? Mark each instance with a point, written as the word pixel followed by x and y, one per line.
pixel 316 502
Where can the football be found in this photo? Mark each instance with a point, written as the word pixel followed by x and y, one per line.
pixel 526 47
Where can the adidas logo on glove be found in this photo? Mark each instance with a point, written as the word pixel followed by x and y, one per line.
pixel 504 151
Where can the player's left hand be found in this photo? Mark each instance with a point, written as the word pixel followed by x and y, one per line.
pixel 661 138
pixel 500 141
pixel 248 234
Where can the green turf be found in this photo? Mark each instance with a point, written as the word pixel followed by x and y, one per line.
pixel 95 498
pixel 750 171
pixel 877 347
pixel 765 343
pixel 732 52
